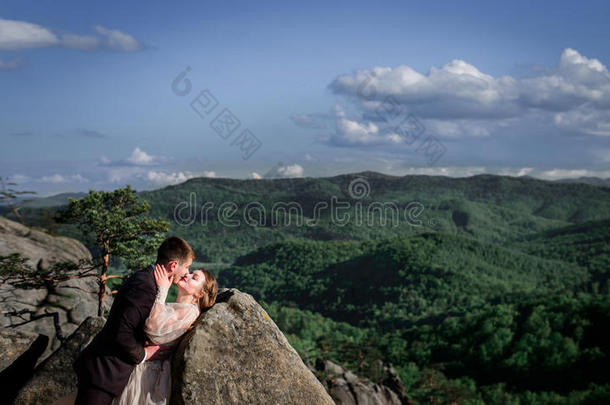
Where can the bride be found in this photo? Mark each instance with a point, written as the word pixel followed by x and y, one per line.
pixel 150 381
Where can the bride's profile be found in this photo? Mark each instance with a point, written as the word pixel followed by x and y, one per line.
pixel 150 381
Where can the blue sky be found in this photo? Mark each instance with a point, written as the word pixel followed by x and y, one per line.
pixel 398 87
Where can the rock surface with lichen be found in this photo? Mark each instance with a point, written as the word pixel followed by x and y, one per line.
pixel 237 355
pixel 57 312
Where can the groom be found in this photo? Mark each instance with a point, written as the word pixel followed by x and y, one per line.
pixel 104 366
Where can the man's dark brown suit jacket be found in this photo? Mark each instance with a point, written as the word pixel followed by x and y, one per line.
pixel 112 355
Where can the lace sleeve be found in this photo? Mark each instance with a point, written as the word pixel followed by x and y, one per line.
pixel 168 322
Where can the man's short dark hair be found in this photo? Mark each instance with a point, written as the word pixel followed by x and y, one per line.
pixel 175 248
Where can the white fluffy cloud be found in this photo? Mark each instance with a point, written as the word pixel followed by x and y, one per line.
pixel 523 171
pixel 117 40
pixel 20 34
pixel 351 132
pixel 16 35
pixel 145 168
pixel 458 100
pixel 456 171
pixel 584 120
pixel 139 157
pixel 459 90
pixel 555 174
pixel 456 90
pixel 291 171
pixel 161 178
pixel 284 171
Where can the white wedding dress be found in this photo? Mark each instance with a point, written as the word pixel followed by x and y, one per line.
pixel 150 382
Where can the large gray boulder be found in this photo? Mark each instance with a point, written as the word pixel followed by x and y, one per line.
pixel 237 355
pixel 56 312
pixel 35 244
pixel 54 378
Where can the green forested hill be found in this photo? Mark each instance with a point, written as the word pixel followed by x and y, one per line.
pixel 490 208
pixel 458 318
pixel 398 280
pixel 587 244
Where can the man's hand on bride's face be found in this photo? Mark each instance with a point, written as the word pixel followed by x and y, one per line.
pixel 162 277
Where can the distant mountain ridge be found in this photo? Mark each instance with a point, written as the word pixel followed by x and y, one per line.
pixel 62 198
pixel 55 200
pixel 595 181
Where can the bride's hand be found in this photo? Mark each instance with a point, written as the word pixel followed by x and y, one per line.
pixel 162 278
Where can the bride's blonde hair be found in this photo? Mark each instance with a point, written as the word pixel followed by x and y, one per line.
pixel 209 291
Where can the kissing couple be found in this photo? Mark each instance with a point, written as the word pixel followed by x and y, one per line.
pixel 128 361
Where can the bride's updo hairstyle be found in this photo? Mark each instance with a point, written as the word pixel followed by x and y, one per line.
pixel 208 291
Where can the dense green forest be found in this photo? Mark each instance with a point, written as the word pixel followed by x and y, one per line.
pixel 454 315
pixel 495 290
